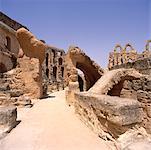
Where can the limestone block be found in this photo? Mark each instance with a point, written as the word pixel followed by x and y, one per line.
pixel 8 116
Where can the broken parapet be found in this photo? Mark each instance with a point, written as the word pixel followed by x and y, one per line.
pixel 110 114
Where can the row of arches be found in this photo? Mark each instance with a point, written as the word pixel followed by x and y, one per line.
pixel 128 47
pixel 54 73
pixel 60 60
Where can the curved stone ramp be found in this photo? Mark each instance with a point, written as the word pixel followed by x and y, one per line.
pixel 76 58
pixel 112 78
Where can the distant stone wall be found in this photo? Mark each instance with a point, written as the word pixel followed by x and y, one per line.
pixel 121 56
pixel 53 68
pixel 142 65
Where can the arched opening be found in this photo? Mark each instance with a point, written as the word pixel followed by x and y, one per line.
pixel 8 43
pixel 130 60
pixel 118 48
pixel 47 73
pixel 122 61
pixel 116 90
pixel 47 57
pixel 2 68
pixel 91 75
pixel 55 72
pixel 60 61
pixel 62 72
pixel 81 83
pixel 53 55
pixel 129 48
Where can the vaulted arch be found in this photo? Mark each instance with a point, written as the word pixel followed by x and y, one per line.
pixel 76 58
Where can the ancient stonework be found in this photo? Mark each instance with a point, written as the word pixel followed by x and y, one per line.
pixel 33 48
pixel 124 58
pixel 77 59
pixel 118 101
pixel 53 68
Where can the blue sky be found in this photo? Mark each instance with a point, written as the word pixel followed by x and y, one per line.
pixel 93 25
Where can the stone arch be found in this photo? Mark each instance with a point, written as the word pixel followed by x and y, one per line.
pixel 47 73
pixel 76 58
pixel 60 60
pixel 118 46
pixel 62 72
pixel 111 83
pixel 129 46
pixel 47 58
pixel 8 43
pixel 81 83
pixel 53 55
pixel 2 68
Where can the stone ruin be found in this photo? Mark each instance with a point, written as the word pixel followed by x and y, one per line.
pixel 124 58
pixel 114 103
pixel 117 102
pixel 53 69
pixel 77 59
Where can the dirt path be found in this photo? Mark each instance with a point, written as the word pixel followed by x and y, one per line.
pixel 51 125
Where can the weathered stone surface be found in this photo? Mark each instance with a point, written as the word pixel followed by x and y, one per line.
pixel 16 93
pixel 70 91
pixel 111 78
pixel 30 45
pixel 112 114
pixel 76 58
pixel 143 96
pixel 135 139
pixel 8 116
pixel 33 48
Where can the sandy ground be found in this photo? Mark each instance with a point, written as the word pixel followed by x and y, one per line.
pixel 51 125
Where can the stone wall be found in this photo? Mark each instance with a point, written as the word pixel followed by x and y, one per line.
pixel 121 56
pixel 21 84
pixel 9 48
pixel 53 68
pixel 106 114
pixel 142 65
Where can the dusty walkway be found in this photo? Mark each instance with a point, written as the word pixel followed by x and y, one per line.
pixel 51 125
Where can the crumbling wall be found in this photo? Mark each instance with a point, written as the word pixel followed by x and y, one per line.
pixel 33 48
pixel 106 114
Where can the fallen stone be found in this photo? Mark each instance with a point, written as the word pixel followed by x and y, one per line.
pixel 8 116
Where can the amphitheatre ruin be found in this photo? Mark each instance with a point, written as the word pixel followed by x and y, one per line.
pixel 44 98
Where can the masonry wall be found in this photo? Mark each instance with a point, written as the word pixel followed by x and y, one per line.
pixel 142 65
pixel 53 69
